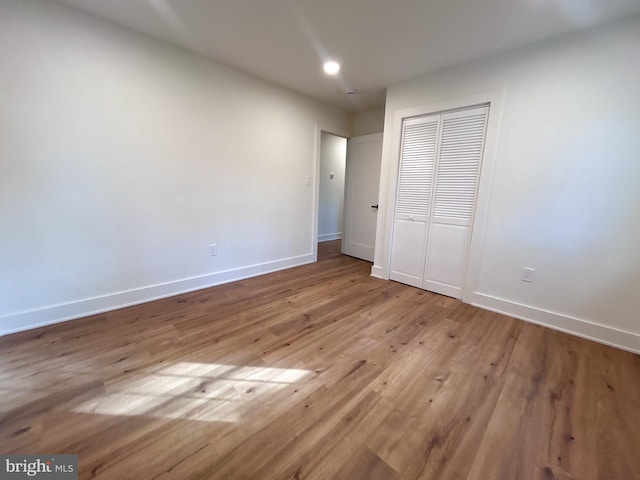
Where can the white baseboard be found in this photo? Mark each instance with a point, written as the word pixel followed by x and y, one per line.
pixel 377 272
pixel 582 328
pixel 49 315
pixel 327 237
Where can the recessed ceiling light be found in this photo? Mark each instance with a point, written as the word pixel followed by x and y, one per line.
pixel 331 68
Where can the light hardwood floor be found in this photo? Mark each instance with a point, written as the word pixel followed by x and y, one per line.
pixel 320 372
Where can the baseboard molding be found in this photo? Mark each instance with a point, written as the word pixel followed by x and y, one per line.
pixel 327 237
pixel 582 328
pixel 378 272
pixel 41 317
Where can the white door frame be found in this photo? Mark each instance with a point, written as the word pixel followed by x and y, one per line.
pixel 495 99
pixel 333 130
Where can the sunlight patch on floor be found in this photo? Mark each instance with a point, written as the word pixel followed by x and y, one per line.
pixel 192 391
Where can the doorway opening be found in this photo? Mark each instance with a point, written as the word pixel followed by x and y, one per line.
pixel 333 162
pixel 347 189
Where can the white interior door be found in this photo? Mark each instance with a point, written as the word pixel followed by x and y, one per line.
pixel 364 156
pixel 454 198
pixel 440 161
pixel 413 203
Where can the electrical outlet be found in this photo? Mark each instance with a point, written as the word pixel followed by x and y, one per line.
pixel 528 274
pixel 308 179
pixel 213 250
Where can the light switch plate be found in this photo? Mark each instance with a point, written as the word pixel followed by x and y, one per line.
pixel 528 274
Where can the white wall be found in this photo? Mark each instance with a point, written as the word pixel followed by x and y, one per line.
pixel 366 123
pixel 333 159
pixel 565 197
pixel 122 158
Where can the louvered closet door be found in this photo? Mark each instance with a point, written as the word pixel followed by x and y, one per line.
pixel 413 204
pixel 454 198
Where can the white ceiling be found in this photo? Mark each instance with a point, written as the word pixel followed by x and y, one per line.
pixel 378 42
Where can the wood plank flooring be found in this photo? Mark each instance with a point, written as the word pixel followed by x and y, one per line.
pixel 320 372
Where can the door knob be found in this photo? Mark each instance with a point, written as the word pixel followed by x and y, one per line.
pixel 375 206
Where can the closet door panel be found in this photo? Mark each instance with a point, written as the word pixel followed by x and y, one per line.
pixel 456 182
pixel 447 258
pixel 414 198
pixel 409 252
